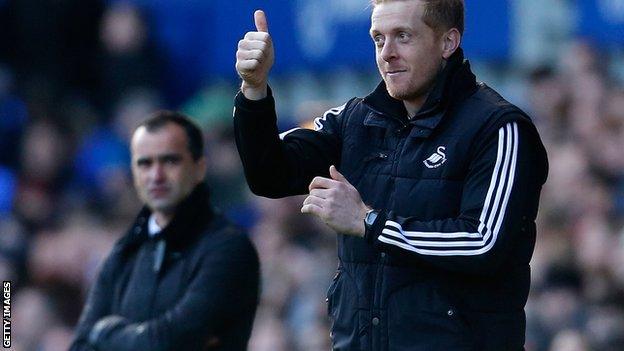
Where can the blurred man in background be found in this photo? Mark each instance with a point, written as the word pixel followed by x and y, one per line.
pixel 182 278
pixel 437 194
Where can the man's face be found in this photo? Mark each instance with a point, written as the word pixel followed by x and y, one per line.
pixel 408 52
pixel 163 168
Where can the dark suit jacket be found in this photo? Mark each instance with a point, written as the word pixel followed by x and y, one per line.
pixel 193 287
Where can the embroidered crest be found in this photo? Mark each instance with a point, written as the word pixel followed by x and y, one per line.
pixel 437 158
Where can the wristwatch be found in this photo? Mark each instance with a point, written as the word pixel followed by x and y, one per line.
pixel 369 219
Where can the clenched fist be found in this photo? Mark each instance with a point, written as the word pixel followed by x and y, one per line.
pixel 254 59
pixel 338 203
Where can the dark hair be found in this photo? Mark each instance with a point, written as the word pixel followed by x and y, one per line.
pixel 194 134
pixel 440 14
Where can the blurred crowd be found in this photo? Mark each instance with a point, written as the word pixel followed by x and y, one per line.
pixel 77 76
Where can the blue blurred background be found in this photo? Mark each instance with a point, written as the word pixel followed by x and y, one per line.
pixel 76 76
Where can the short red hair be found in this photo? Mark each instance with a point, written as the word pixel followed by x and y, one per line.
pixel 440 15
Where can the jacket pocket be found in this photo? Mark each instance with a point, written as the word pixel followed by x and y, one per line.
pixel 331 290
pixel 342 302
pixel 420 318
pixel 373 162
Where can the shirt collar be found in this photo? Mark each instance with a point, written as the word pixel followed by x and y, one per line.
pixel 152 226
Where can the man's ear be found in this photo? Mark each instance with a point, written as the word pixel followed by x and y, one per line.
pixel 202 168
pixel 450 41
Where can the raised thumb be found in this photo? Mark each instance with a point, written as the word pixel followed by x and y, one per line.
pixel 261 21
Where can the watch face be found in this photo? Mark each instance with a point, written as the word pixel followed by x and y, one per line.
pixel 370 218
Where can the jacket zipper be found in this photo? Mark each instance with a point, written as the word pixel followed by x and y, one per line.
pixel 376 330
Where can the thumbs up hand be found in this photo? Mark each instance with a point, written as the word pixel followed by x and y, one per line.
pixel 254 59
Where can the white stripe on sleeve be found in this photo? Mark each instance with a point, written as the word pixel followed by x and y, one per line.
pixel 490 220
pixel 318 122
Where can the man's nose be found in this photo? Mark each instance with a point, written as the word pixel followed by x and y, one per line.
pixel 388 51
pixel 157 172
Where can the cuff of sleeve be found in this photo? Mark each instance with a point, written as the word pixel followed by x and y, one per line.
pixel 374 232
pixel 268 103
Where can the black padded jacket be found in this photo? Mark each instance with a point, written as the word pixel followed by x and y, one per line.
pixel 446 264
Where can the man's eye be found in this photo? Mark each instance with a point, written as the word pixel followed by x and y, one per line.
pixel 171 160
pixel 403 36
pixel 379 40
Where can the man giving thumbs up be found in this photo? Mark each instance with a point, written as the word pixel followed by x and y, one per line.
pixel 431 183
pixel 254 59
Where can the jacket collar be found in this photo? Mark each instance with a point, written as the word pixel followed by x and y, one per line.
pixel 453 83
pixel 191 217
